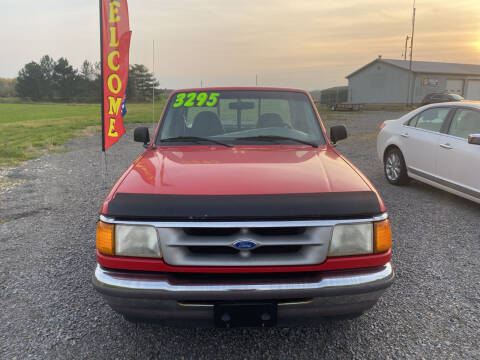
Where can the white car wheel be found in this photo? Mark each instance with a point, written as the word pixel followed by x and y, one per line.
pixel 395 168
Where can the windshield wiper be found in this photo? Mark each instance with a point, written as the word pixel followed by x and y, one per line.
pixel 194 139
pixel 274 137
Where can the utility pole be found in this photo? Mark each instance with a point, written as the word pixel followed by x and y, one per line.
pixel 404 55
pixel 256 79
pixel 411 55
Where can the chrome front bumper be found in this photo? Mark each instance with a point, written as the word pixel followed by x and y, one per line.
pixel 188 299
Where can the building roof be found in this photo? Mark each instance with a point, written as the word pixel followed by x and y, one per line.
pixel 428 67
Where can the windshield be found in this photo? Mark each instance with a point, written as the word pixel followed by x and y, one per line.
pixel 456 97
pixel 240 117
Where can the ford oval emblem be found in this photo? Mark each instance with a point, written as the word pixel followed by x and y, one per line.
pixel 245 245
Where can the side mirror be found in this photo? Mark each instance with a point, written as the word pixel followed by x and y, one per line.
pixel 474 139
pixel 141 135
pixel 338 133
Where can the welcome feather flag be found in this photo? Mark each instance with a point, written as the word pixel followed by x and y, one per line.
pixel 115 37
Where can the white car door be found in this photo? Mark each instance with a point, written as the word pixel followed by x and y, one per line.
pixel 458 161
pixel 420 140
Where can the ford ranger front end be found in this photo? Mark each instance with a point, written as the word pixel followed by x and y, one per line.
pixel 242 213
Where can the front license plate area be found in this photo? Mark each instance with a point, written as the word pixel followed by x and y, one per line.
pixel 229 315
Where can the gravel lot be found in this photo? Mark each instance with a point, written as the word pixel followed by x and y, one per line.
pixel 49 309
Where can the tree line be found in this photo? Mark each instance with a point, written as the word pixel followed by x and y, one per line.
pixel 7 87
pixel 59 81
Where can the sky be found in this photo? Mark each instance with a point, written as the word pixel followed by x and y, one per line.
pixel 309 44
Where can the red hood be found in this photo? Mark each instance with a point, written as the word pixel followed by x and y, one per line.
pixel 213 170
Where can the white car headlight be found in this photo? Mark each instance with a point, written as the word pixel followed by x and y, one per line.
pixel 141 241
pixel 351 239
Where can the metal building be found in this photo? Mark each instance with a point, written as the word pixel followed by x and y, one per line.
pixel 385 81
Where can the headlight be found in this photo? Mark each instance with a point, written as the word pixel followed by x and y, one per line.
pixel 351 239
pixel 141 241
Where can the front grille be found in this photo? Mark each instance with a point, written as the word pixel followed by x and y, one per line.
pixel 274 246
pixel 281 249
pixel 212 250
pixel 210 231
pixel 215 250
pixel 274 231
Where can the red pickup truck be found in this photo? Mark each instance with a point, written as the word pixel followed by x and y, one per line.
pixel 242 213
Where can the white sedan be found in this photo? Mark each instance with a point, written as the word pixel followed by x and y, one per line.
pixel 437 144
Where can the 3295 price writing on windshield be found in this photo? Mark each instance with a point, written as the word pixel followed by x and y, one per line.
pixel 194 99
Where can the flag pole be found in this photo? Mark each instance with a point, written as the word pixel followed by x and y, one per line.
pixel 153 87
pixel 102 94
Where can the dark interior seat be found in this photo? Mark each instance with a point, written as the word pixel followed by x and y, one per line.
pixel 270 120
pixel 206 123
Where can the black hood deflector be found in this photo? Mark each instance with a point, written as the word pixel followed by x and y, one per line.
pixel 340 205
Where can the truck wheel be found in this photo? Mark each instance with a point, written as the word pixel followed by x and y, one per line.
pixel 395 168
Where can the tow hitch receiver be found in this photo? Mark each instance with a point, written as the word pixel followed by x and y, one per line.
pixel 260 314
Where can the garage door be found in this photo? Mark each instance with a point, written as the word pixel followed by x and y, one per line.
pixel 455 87
pixel 473 90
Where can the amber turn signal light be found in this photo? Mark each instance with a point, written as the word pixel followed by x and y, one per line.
pixel 106 238
pixel 382 236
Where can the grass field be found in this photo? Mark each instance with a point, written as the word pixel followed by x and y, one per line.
pixel 29 130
